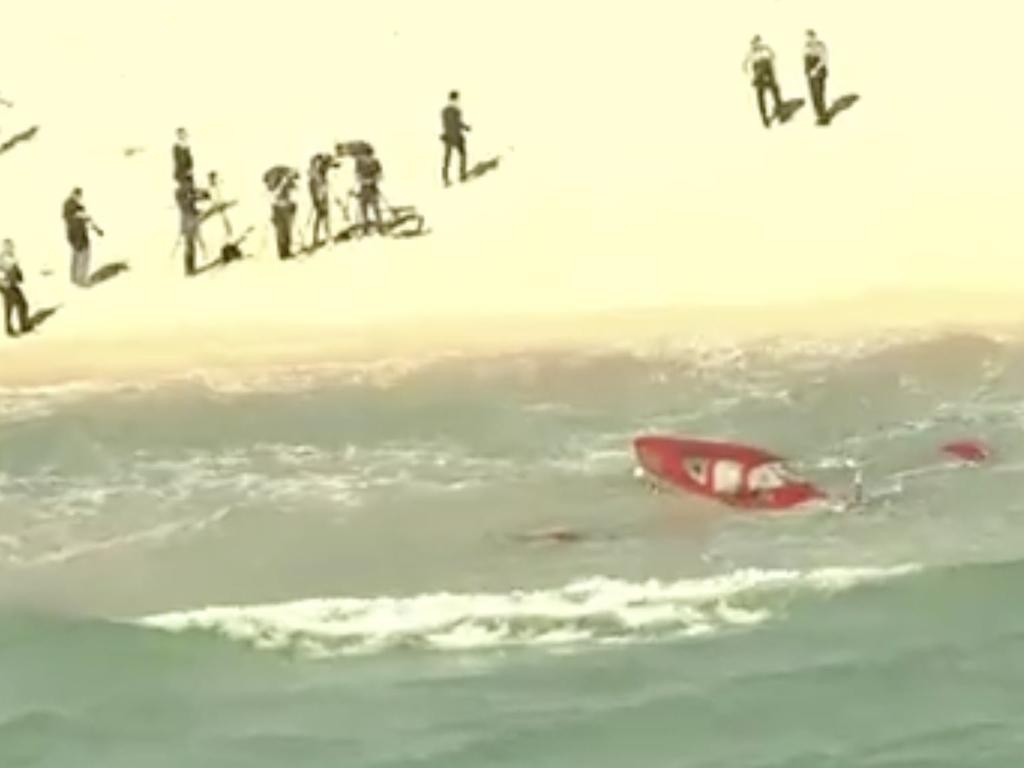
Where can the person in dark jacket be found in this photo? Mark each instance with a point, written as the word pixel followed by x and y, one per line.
pixel 10 287
pixel 453 136
pixel 77 225
pixel 182 154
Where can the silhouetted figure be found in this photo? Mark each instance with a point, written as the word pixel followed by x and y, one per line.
pixel 77 224
pixel 10 286
pixel 368 175
pixel 283 214
pixel 816 69
pixel 187 196
pixel 183 165
pixel 453 136
pixel 319 194
pixel 760 63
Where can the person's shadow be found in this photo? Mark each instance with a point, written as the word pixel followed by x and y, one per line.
pixel 41 316
pixel 108 272
pixel 482 168
pixel 18 138
pixel 787 109
pixel 840 105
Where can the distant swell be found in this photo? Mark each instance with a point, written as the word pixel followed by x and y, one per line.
pixel 592 611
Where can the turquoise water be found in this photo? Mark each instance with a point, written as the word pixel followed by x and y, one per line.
pixel 348 566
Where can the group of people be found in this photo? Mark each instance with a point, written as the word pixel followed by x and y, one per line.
pixel 189 196
pixel 760 65
pixel 282 183
pixel 78 224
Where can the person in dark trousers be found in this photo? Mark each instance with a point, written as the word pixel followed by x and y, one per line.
pixel 453 136
pixel 816 68
pixel 183 164
pixel 319 195
pixel 187 196
pixel 368 175
pixel 77 224
pixel 10 286
pixel 283 215
pixel 760 64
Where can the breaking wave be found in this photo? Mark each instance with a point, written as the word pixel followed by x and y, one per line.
pixel 595 611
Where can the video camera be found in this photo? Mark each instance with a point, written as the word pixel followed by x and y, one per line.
pixel 322 162
pixel 352 148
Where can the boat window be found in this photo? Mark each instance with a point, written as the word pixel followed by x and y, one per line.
pixel 766 477
pixel 697 469
pixel 728 476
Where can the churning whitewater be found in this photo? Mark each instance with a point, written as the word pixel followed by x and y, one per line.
pixel 375 538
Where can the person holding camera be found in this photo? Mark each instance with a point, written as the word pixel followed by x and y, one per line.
pixel 77 225
pixel 10 286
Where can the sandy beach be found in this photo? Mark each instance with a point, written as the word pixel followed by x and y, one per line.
pixel 636 195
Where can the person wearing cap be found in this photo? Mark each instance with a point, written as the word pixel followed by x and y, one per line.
pixel 453 136
pixel 77 224
pixel 10 287
pixel 760 63
pixel 816 69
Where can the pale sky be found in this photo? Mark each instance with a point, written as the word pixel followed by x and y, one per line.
pixel 637 168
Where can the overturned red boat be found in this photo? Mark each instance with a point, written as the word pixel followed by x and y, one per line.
pixel 974 451
pixel 735 474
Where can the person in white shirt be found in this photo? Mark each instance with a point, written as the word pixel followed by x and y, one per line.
pixel 760 64
pixel 816 69
pixel 10 287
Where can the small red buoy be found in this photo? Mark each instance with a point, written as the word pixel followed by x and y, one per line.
pixel 968 450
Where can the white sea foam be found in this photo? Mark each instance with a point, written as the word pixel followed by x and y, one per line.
pixel 592 611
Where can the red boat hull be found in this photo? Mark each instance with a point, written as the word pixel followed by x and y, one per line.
pixel 735 474
pixel 969 450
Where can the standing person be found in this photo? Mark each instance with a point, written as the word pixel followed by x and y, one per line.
pixel 816 68
pixel 453 136
pixel 368 175
pixel 77 224
pixel 760 62
pixel 187 197
pixel 182 154
pixel 283 215
pixel 320 196
pixel 10 287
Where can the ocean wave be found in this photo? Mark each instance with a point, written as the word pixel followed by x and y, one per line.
pixel 699 355
pixel 595 611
